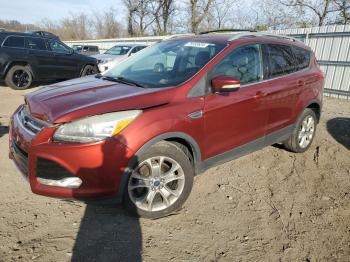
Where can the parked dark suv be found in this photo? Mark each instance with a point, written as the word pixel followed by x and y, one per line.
pixel 36 56
pixel 140 131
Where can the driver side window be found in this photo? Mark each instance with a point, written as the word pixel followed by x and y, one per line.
pixel 58 47
pixel 244 63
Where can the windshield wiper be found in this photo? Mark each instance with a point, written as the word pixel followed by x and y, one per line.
pixel 122 80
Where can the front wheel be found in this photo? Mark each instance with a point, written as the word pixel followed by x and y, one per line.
pixel 89 70
pixel 161 181
pixel 303 133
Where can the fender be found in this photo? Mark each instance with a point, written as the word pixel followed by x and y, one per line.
pixel 118 197
pixel 19 62
pixel 301 105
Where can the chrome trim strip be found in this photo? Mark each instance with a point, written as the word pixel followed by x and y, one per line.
pixel 22 126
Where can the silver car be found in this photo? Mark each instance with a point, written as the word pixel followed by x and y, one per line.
pixel 116 54
pixel 88 50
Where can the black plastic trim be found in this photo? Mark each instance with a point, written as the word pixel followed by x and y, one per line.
pixel 274 137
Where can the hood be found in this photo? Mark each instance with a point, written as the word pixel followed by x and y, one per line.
pixel 105 56
pixel 87 96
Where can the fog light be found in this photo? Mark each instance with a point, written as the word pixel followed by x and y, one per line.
pixel 70 182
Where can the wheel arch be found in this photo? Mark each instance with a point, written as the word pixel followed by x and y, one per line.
pixel 84 65
pixel 21 63
pixel 316 106
pixel 178 137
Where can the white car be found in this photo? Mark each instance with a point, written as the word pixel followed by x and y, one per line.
pixel 116 54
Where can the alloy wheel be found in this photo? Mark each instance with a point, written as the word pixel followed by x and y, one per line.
pixel 156 183
pixel 306 131
pixel 20 78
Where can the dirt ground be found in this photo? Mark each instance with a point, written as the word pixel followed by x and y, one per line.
pixel 272 205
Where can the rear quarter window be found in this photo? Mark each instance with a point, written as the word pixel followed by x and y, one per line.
pixel 302 57
pixel 35 43
pixel 14 41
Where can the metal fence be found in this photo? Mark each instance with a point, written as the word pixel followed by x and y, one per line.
pixel 331 45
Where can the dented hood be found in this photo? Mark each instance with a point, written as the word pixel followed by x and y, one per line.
pixel 78 98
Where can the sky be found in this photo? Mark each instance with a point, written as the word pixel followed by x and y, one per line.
pixel 32 11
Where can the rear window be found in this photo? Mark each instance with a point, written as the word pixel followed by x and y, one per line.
pixel 302 57
pixel 281 60
pixel 35 43
pixel 14 41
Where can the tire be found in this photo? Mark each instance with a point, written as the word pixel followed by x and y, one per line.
pixel 157 197
pixel 19 77
pixel 303 131
pixel 89 70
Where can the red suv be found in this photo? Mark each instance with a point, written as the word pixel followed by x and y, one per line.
pixel 140 131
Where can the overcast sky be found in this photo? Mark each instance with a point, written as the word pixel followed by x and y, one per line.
pixel 32 11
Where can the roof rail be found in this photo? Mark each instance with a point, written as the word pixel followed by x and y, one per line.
pixel 262 34
pixel 226 31
pixel 43 33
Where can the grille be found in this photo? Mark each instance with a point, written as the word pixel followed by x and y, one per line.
pixel 48 169
pixel 31 124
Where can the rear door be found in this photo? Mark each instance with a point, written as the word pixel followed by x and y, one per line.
pixel 234 119
pixel 42 60
pixel 67 63
pixel 284 85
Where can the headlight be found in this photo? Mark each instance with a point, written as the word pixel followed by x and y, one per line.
pixel 104 61
pixel 95 128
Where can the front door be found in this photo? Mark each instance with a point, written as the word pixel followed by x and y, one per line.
pixel 66 60
pixel 233 119
pixel 42 60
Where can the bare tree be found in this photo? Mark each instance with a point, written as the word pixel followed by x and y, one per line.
pixel 163 10
pixel 222 10
pixel 343 7
pixel 131 6
pixel 140 16
pixel 14 25
pixel 321 8
pixel 106 25
pixel 199 11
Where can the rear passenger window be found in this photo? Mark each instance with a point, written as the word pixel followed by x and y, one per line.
pixel 302 57
pixel 14 41
pixel 244 63
pixel 35 43
pixel 281 60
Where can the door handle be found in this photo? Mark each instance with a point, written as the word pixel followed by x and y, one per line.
pixel 196 114
pixel 259 94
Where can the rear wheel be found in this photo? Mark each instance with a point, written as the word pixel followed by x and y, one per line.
pixel 161 181
pixel 89 70
pixel 304 132
pixel 19 77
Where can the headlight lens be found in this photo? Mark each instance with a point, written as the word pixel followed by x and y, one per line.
pixel 104 61
pixel 95 128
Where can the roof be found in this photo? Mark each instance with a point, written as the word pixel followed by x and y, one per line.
pixel 226 37
pixel 131 45
pixel 31 33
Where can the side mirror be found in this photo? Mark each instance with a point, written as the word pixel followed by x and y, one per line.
pixel 223 83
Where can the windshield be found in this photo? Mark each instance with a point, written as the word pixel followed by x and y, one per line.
pixel 167 63
pixel 118 50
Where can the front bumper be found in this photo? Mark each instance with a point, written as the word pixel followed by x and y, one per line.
pixel 99 165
